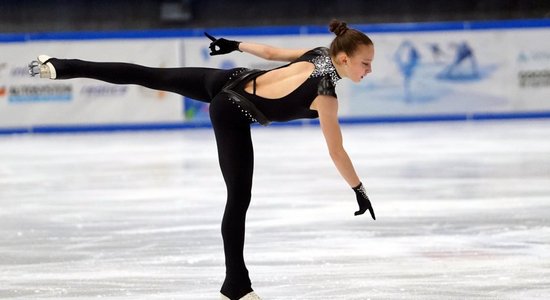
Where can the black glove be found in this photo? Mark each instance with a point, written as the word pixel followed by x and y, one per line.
pixel 363 201
pixel 222 46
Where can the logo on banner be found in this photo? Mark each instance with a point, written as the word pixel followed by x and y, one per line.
pixel 40 93
pixel 19 72
pixel 534 78
pixel 103 91
pixel 533 56
pixel 531 74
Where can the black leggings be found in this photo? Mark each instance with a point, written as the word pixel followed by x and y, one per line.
pixel 232 131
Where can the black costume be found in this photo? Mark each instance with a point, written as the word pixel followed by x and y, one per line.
pixel 232 110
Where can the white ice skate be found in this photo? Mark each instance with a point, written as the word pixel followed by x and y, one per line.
pixel 249 296
pixel 42 67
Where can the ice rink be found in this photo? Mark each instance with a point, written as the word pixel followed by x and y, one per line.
pixel 463 212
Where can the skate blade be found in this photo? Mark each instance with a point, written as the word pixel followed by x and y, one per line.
pixel 34 68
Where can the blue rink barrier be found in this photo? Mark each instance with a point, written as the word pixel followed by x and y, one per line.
pixel 46 129
pixel 271 30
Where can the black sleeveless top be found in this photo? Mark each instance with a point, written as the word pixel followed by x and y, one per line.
pixel 296 105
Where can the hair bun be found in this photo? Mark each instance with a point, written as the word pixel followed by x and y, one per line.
pixel 338 27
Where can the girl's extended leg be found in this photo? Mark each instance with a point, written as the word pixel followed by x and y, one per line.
pixel 197 83
pixel 236 158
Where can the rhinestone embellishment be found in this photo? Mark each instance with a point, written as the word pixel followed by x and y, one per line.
pixel 246 113
pixel 323 66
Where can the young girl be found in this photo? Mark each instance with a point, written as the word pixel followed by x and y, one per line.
pixel 304 88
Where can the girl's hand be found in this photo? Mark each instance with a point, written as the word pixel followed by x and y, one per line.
pixel 363 201
pixel 222 46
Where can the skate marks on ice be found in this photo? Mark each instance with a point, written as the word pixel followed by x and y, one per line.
pixel 462 214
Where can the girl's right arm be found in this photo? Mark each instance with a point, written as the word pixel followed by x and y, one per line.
pixel 270 52
pixel 224 46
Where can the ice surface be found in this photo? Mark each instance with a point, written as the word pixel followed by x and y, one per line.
pixel 463 212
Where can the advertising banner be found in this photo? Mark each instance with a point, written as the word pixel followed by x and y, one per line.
pixel 26 101
pixel 419 74
pixel 457 72
pixel 531 62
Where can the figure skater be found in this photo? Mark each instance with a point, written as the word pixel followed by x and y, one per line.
pixel 463 53
pixel 304 88
pixel 407 58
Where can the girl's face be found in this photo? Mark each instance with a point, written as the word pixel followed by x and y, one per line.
pixel 359 64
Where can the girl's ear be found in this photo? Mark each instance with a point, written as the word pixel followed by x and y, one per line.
pixel 342 58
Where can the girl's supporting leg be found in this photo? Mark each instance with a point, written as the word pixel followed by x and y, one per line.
pixel 236 158
pixel 197 83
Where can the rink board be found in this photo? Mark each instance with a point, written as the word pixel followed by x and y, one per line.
pixel 421 72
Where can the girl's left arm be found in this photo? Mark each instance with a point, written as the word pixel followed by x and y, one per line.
pixel 327 108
